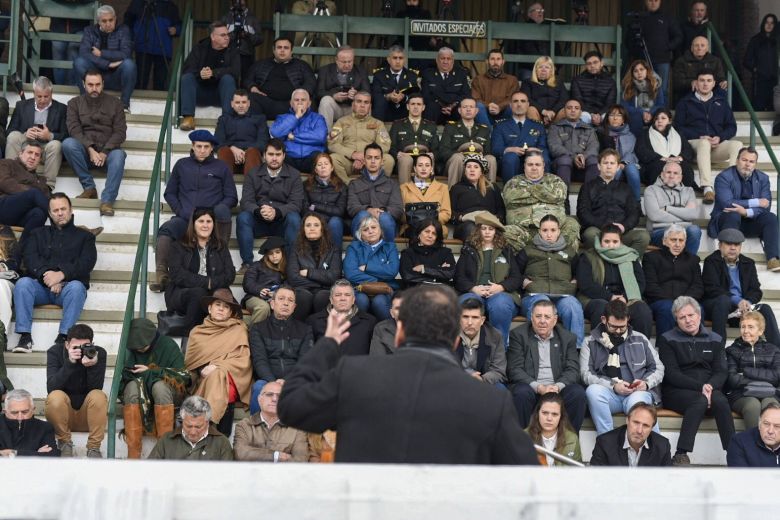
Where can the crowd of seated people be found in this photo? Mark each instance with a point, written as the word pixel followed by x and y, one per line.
pixel 522 252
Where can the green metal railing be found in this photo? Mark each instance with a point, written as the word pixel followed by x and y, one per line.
pixel 140 268
pixel 9 68
pixel 755 124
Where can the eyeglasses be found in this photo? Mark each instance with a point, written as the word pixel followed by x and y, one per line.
pixel 617 328
pixel 537 10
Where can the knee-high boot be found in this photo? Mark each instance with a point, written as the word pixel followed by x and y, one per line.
pixel 134 430
pixel 163 419
pixel 161 263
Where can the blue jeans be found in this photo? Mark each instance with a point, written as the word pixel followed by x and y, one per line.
pixel 568 307
pixel 122 78
pixel 254 406
pixel 500 310
pixel 603 402
pixel 692 238
pixel 386 222
pixel 249 227
pixel 65 51
pixel 378 305
pixel 662 313
pixel 29 292
pixel 76 155
pixel 663 70
pixel 632 177
pixel 336 227
pixel 483 117
pixel 197 92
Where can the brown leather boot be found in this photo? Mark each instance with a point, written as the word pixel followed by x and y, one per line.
pixel 134 430
pixel 223 228
pixel 163 419
pixel 161 263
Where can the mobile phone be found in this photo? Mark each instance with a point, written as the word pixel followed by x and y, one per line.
pixel 634 384
pixel 39 126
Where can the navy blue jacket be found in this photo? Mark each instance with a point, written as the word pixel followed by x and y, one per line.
pixel 120 46
pixel 310 133
pixel 196 184
pixel 148 38
pixel 728 191
pixel 382 263
pixel 242 131
pixel 506 134
pixel 747 450
pixel 696 118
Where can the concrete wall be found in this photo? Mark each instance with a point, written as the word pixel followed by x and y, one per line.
pixel 87 489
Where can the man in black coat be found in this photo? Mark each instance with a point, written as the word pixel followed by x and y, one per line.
pixel 41 119
pixel 21 434
pixel 361 329
pixel 722 296
pixel 337 85
pixel 209 75
pixel 656 35
pixel 635 444
pixel 391 86
pixel 59 260
pixel 443 88
pixel 410 407
pixel 277 343
pixel 544 342
pixel 595 89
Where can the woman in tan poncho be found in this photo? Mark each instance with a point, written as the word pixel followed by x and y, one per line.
pixel 218 358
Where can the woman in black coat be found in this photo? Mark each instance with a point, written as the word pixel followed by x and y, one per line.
pixel 546 94
pixel 427 260
pixel 200 263
pixel 326 195
pixel 661 143
pixel 761 61
pixel 474 193
pixel 314 265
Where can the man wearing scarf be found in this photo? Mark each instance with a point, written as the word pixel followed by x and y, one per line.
pixel 218 358
pixel 619 366
pixel 611 271
pixel 153 381
pixel 21 434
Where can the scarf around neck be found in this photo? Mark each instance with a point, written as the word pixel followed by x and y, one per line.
pixel 624 258
pixel 668 145
pixel 643 99
pixel 549 247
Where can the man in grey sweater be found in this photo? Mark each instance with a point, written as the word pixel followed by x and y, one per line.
pixel 668 202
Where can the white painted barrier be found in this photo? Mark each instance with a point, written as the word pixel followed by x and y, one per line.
pixel 89 489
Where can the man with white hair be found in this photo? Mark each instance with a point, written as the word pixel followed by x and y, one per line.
pixel 303 131
pixel 40 119
pixel 443 87
pixel 196 439
pixel 337 85
pixel 109 49
pixel 21 434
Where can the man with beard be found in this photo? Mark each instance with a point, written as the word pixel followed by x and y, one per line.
pixel 493 90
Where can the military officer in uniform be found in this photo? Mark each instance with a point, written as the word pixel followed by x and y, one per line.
pixel 465 136
pixel 350 135
pixel 443 87
pixel 412 136
pixel 392 86
pixel 515 136
pixel 531 196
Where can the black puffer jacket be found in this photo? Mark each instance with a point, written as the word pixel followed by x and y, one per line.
pixel 70 250
pixel 298 72
pixel 321 274
pixel 601 203
pixel 183 269
pixel 326 199
pixel 747 363
pixel 544 97
pixel 465 198
pixel 259 277
pixel 433 258
pixel 668 276
pixel 277 345
pixel 596 91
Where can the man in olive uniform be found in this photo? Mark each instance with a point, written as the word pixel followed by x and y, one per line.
pixel 392 85
pixel 531 196
pixel 465 136
pixel 412 136
pixel 443 87
pixel 351 134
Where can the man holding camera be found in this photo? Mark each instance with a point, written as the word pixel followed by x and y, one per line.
pixel 75 373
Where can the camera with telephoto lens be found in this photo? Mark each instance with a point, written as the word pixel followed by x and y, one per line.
pixel 88 350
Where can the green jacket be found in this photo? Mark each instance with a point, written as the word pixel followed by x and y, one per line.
pixel 172 446
pixel 571 448
pixel 550 273
pixel 526 202
pixel 456 134
pixel 402 134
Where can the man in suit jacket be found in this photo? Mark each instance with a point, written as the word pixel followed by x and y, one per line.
pixel 337 85
pixel 391 86
pixel 635 444
pixel 529 345
pixel 408 407
pixel 443 87
pixel 39 119
pixel 481 350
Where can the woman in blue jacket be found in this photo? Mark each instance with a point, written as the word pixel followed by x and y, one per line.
pixel 369 258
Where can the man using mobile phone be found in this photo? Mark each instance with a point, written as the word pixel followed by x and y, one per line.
pixel 41 119
pixel 619 366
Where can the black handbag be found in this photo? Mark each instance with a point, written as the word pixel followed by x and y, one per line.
pixel 416 212
pixel 759 390
pixel 171 323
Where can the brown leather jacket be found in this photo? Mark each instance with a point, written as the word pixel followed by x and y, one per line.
pixel 15 178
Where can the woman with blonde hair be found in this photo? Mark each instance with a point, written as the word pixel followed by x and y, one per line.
pixel 545 94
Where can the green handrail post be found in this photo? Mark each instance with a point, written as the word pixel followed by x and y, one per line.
pixel 141 256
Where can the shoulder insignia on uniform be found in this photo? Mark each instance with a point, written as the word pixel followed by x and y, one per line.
pixel 377 70
pixel 335 131
pixel 485 126
pixel 452 122
pixel 416 71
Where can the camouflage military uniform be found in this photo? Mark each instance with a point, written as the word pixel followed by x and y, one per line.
pixel 456 135
pixel 403 138
pixel 527 202
pixel 350 135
